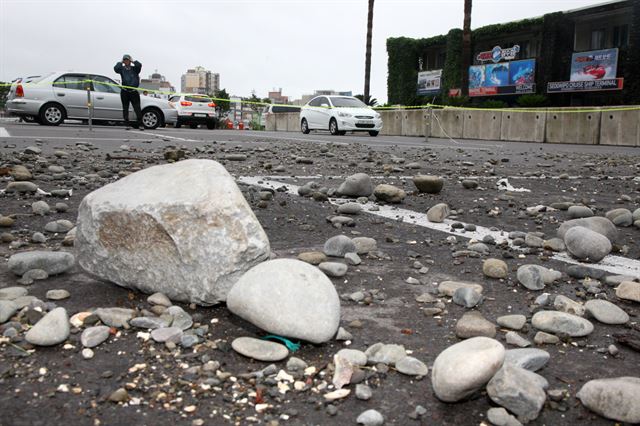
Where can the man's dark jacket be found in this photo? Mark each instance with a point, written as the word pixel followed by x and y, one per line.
pixel 130 75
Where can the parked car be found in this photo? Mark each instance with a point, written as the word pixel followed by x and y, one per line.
pixel 276 109
pixel 194 110
pixel 58 96
pixel 339 115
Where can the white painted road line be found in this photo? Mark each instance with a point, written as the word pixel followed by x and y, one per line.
pixel 4 133
pixel 613 264
pixel 173 137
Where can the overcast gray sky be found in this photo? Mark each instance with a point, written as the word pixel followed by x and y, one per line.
pixel 299 45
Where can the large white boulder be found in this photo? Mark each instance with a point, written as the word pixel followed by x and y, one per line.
pixel 182 229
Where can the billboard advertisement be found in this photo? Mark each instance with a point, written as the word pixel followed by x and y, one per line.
pixel 591 71
pixel 509 78
pixel 429 82
pixel 594 65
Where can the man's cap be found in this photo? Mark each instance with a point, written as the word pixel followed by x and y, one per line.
pixel 125 57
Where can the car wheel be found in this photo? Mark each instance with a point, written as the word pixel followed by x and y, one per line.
pixel 373 133
pixel 304 126
pixel 211 125
pixel 333 127
pixel 52 114
pixel 151 119
pixel 193 125
pixel 29 119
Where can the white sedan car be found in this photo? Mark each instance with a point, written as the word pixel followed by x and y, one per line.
pixel 339 115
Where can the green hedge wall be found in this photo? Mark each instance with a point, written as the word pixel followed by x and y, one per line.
pixel 404 54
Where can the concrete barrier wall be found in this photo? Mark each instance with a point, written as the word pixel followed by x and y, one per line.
pixel 391 122
pixel 413 122
pixel 293 121
pixel 270 123
pixel 573 128
pixel 281 122
pixel 523 126
pixel 620 128
pixel 447 123
pixel 588 127
pixel 482 125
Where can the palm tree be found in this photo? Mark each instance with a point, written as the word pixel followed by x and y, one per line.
pixel 466 47
pixel 367 60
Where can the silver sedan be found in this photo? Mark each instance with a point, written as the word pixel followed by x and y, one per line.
pixel 52 98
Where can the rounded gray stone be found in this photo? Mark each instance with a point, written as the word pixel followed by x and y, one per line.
pixel 370 418
pixel 598 224
pixel 473 324
pixel 59 226
pixel 365 245
pixel 531 359
pixel 606 312
pixel 380 353
pixel 467 297
pixel 577 212
pixel 620 217
pixel 149 323
pixel 614 398
pixel 338 246
pixel 519 390
pixel 531 277
pixel 115 317
pixel 167 334
pixel 93 336
pixel 412 366
pixel 334 269
pixel 159 299
pixel 389 193
pixel 261 350
pixel 52 329
pixel 58 294
pixel 495 268
pixel 463 368
pixel 350 208
pixel 438 213
pixel 12 293
pixel 289 298
pixel 357 185
pixel 629 290
pixel 562 322
pixel 428 184
pixel 585 244
pixel 40 208
pixel 7 309
pixel 54 262
pixel 354 356
pixel 514 322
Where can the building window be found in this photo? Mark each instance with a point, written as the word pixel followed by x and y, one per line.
pixel 621 35
pixel 442 56
pixel 597 39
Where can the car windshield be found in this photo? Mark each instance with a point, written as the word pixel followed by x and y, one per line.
pixel 348 103
pixel 197 99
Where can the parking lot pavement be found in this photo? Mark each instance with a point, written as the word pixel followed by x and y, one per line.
pixel 110 136
pixel 389 295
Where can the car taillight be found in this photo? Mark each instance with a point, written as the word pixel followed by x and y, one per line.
pixel 212 105
pixel 186 103
pixel 19 91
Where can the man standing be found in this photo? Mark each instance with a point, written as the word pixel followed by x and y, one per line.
pixel 129 71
